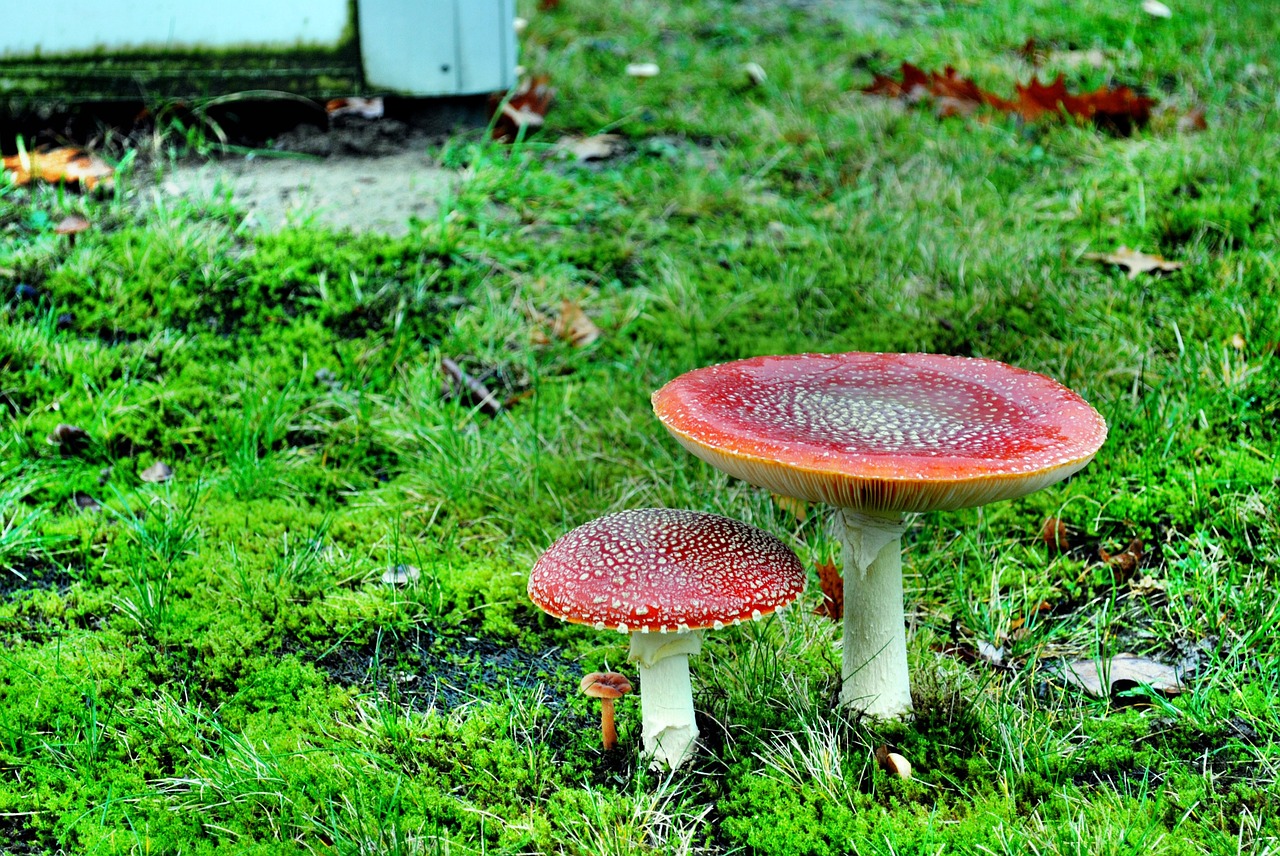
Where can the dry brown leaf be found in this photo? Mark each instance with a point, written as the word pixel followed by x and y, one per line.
pixel 831 583
pixel 572 325
pixel 70 165
pixel 1055 534
pixel 593 148
pixel 1124 563
pixel 1193 120
pixel 525 110
pixel 364 108
pixel 1122 672
pixel 1119 110
pixel 156 473
pixel 1135 262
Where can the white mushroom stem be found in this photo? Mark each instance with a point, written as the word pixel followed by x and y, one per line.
pixel 666 696
pixel 874 675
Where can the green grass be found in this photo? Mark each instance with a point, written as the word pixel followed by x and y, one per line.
pixel 213 665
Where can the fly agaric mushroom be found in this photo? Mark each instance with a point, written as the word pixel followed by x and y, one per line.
pixel 663 576
pixel 878 435
pixel 606 686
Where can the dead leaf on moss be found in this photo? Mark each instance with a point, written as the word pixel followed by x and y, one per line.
pixel 594 148
pixel 1121 673
pixel 362 108
pixel 1119 110
pixel 525 111
pixel 1124 563
pixel 157 473
pixel 1056 535
pixel 70 165
pixel 1135 262
pixel 832 584
pixel 572 325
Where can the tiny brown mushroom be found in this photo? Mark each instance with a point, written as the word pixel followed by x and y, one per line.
pixel 71 225
pixel 606 686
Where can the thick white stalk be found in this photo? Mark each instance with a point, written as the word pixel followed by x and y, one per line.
pixel 666 695
pixel 874 675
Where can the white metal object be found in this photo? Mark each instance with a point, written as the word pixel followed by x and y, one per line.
pixel 405 47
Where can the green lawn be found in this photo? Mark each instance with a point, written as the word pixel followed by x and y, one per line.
pixel 212 664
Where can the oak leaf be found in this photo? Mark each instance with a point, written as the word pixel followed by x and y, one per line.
pixel 572 325
pixel 67 164
pixel 1121 673
pixel 525 111
pixel 1135 262
pixel 832 584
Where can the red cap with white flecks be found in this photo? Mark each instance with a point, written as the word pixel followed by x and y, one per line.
pixel 883 432
pixel 665 570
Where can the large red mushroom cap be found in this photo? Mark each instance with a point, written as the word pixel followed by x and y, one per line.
pixel 665 570
pixel 883 432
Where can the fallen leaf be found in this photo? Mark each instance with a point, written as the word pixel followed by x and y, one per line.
pixel 401 575
pixel 1135 262
pixel 951 94
pixel 1119 110
pixel 1055 535
pixel 85 502
pixel 1156 9
pixel 70 165
pixel 363 108
pixel 1193 120
pixel 1124 563
pixel 525 111
pixel 1121 673
pixel 593 148
pixel 71 438
pixel 993 654
pixel 157 473
pixel 1238 342
pixel 831 583
pixel 572 325
pixel 643 69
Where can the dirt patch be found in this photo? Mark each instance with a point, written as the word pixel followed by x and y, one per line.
pixel 31 576
pixel 446 672
pixel 344 192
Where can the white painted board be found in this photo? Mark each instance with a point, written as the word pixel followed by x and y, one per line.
pixel 53 27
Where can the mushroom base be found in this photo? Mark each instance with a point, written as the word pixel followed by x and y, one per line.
pixel 666 695
pixel 874 677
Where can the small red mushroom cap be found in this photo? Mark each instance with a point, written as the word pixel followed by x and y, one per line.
pixel 883 432
pixel 665 570
pixel 608 685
